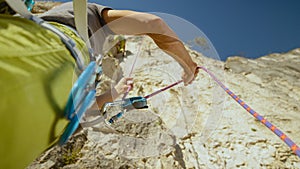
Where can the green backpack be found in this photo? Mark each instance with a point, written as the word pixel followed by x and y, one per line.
pixel 37 73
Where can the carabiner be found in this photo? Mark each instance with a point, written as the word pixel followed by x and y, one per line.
pixel 125 105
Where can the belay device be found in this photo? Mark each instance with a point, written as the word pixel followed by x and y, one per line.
pixel 123 106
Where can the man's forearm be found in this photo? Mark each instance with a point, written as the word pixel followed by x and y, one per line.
pixel 175 48
pixel 137 23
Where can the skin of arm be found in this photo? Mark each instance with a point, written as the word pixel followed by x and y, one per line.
pixel 137 23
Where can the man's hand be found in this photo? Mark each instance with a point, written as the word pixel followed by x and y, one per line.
pixel 124 85
pixel 189 74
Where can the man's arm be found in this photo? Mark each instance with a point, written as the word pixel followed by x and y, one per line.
pixel 137 23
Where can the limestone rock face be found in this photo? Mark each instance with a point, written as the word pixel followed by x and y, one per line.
pixel 195 126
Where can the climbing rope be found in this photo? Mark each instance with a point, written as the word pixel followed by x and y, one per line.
pixel 293 146
pixel 132 68
pixel 163 89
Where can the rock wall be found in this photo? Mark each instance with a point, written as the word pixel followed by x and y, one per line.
pixel 197 126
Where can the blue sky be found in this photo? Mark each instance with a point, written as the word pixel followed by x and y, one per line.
pixel 235 27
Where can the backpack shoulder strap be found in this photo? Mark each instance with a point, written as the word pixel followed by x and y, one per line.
pixel 81 19
pixel 20 8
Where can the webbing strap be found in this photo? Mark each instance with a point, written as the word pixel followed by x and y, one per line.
pixel 20 8
pixel 81 19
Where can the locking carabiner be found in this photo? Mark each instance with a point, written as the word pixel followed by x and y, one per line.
pixel 125 105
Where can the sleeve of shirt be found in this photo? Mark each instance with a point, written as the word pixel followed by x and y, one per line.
pixel 97 27
pixel 95 12
pixel 64 14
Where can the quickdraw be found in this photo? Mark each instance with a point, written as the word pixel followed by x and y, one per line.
pixel 82 96
pixel 126 105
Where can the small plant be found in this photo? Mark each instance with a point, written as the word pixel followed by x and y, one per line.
pixel 71 156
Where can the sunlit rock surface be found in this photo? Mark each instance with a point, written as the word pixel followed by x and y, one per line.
pixel 198 126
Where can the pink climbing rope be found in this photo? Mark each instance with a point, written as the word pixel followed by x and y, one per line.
pixel 132 67
pixel 292 145
pixel 163 89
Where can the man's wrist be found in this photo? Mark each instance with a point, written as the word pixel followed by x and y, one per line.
pixel 189 68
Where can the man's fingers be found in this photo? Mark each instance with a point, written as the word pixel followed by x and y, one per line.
pixel 189 77
pixel 130 82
